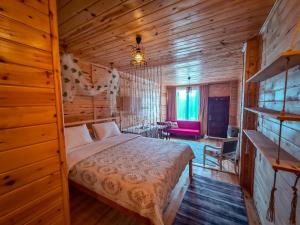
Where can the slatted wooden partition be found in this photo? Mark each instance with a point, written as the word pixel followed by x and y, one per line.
pixel 33 184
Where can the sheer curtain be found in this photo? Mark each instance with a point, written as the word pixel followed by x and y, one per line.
pixel 171 104
pixel 187 103
pixel 203 108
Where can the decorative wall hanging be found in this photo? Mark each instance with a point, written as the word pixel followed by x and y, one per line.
pixel 73 80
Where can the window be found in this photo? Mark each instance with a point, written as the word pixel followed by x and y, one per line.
pixel 187 103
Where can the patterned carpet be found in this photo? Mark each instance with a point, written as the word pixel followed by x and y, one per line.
pixel 197 149
pixel 211 202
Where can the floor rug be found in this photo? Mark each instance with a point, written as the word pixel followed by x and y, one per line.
pixel 211 202
pixel 197 149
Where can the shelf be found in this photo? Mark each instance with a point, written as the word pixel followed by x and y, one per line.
pixel 269 150
pixel 274 114
pixel 278 66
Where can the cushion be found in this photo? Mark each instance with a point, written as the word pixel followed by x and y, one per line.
pixel 184 131
pixel 105 130
pixel 77 136
pixel 189 124
pixel 172 124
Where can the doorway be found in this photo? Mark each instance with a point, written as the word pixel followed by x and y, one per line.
pixel 218 116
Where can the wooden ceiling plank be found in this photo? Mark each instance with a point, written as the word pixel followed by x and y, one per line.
pixel 214 38
pixel 202 49
pixel 40 5
pixel 151 13
pixel 190 34
pixel 73 8
pixel 101 13
pixel 198 38
pixel 160 28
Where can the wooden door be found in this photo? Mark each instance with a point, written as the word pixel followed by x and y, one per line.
pixel 218 116
pixel 33 183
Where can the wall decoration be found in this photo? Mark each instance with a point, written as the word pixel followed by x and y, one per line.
pixel 73 81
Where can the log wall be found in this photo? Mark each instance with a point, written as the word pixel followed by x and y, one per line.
pixel 33 183
pixel 279 34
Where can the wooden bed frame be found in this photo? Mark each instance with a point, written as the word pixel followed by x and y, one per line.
pixel 107 201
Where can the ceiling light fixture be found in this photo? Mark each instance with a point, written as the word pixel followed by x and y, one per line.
pixel 189 88
pixel 138 54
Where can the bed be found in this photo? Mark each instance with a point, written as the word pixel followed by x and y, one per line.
pixel 130 172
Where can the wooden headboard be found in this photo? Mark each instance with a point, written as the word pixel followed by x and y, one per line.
pixel 90 122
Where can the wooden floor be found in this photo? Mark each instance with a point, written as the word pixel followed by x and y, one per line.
pixel 88 211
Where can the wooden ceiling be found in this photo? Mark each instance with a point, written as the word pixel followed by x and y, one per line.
pixel 200 38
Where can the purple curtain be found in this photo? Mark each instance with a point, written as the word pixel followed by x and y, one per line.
pixel 171 103
pixel 203 108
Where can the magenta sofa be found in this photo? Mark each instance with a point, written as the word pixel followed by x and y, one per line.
pixel 187 128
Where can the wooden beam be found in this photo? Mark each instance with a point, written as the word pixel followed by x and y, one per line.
pixel 252 57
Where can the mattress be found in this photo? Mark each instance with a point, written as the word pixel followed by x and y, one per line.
pixel 135 172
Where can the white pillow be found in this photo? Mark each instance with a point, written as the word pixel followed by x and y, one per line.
pixel 174 124
pixel 77 136
pixel 105 130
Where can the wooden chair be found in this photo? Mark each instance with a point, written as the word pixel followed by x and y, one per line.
pixel 226 151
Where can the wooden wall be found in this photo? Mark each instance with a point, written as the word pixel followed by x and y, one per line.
pixel 86 107
pixel 33 184
pixel 229 88
pixel 277 36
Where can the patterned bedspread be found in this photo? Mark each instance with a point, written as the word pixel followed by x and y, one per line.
pixel 138 173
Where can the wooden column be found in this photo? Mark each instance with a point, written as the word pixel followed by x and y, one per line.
pixel 249 99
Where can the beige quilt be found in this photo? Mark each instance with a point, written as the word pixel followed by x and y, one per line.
pixel 136 172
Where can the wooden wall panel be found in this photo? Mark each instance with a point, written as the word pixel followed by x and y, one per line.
pixel 21 12
pixel 21 196
pixel 86 107
pixel 26 116
pixel 33 186
pixel 279 35
pixel 20 157
pixel 12 74
pixel 34 210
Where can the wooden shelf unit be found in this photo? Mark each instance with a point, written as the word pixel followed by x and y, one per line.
pixel 274 114
pixel 269 150
pixel 278 66
pixel 288 163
